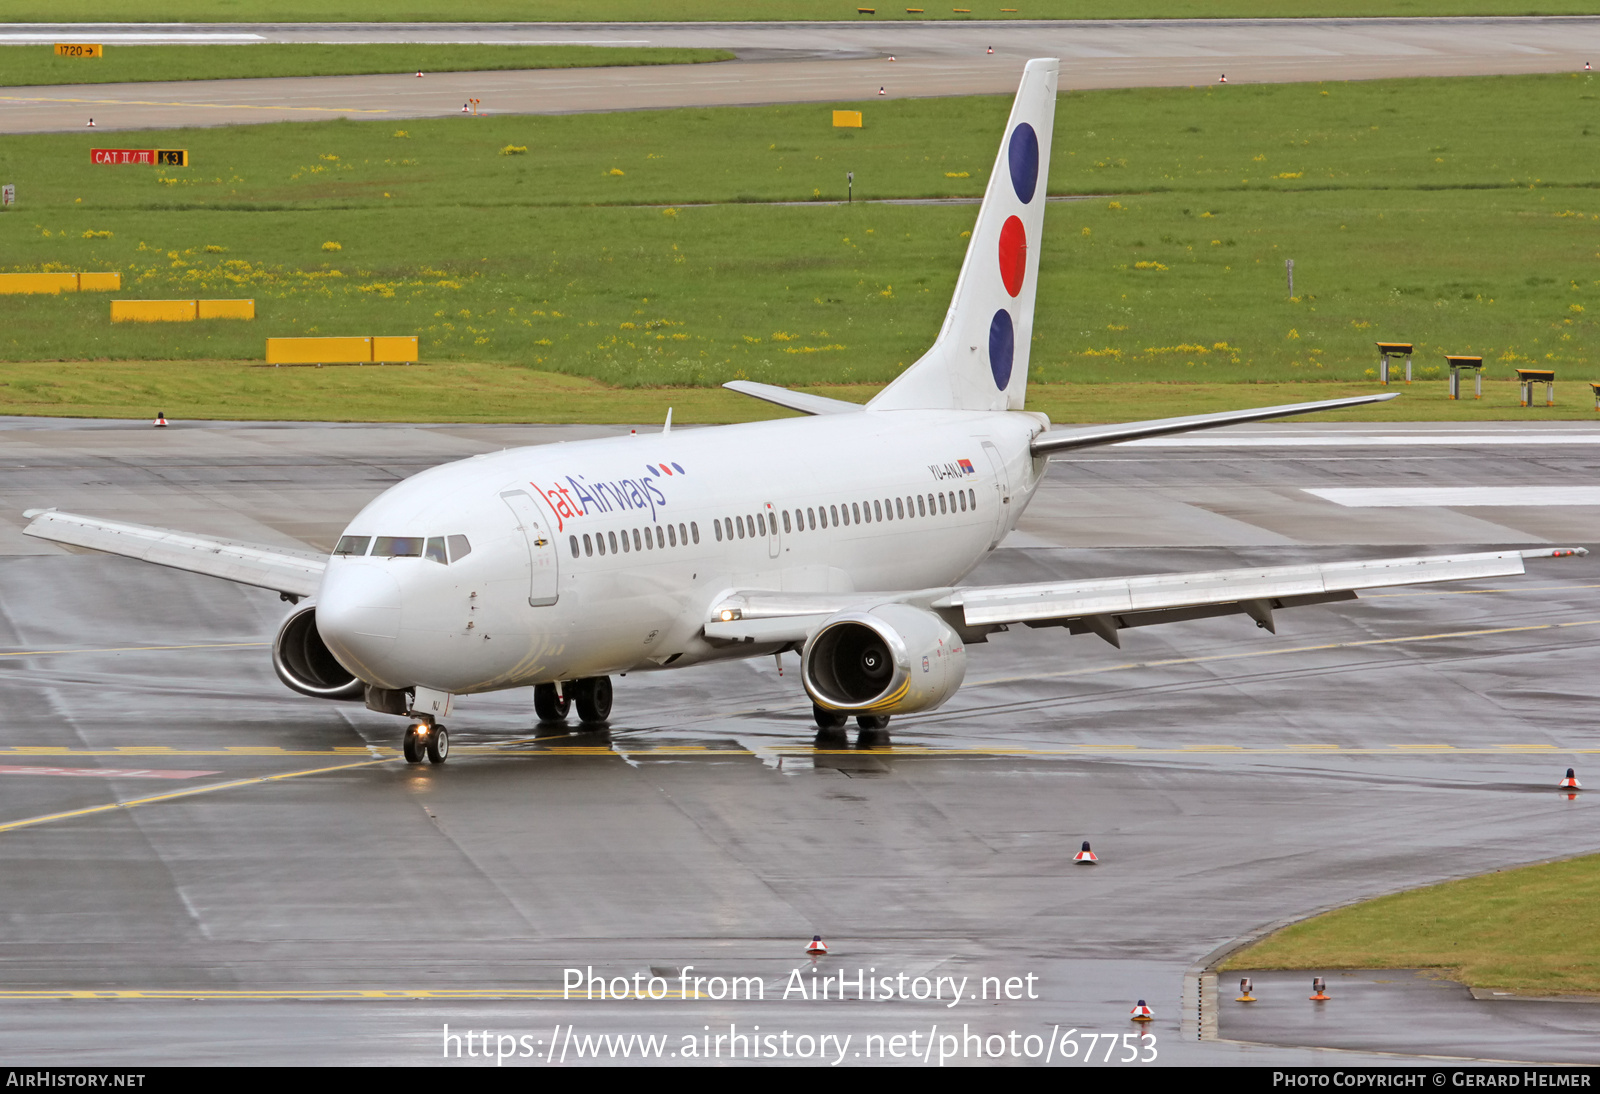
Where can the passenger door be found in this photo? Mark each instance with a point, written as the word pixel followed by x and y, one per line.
pixel 774 545
pixel 1002 492
pixel 543 559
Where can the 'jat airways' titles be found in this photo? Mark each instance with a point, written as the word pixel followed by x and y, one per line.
pixel 580 498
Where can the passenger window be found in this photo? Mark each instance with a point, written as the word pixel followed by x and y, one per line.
pixel 588 548
pixel 952 501
pixel 574 541
pixel 716 526
pixel 921 511
pixel 761 522
pixel 833 515
pixel 459 548
pixel 435 550
pixel 398 546
pixel 661 538
pixel 973 499
pixel 877 511
pixel 683 535
pixel 600 542
pixel 963 497
pixel 636 539
pixel 750 523
pixel 855 512
pixel 672 535
pixel 738 523
pixel 899 509
pixel 811 519
pixel 786 528
pixel 694 530
pixel 649 540
pixel 353 545
pixel 624 538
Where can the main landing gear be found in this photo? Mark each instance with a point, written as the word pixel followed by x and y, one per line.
pixel 592 697
pixel 872 729
pixel 428 739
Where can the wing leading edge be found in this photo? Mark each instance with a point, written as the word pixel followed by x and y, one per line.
pixel 1060 440
pixel 285 571
pixel 1103 606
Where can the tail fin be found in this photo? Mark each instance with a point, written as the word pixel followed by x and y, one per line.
pixel 980 361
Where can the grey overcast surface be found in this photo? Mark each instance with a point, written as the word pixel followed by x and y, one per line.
pixel 786 63
pixel 1228 778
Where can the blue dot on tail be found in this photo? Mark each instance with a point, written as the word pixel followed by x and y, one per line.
pixel 1023 155
pixel 1002 348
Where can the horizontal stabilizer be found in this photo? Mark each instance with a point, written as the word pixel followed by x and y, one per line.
pixel 1060 440
pixel 794 400
pixel 283 570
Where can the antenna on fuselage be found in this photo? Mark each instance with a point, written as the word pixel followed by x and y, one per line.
pixel 668 427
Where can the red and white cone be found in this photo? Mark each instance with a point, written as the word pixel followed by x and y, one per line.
pixel 1085 857
pixel 90 125
pixel 1571 781
pixel 880 91
pixel 464 109
pixel 419 75
pixel 1223 78
pixel 991 49
pixel 161 420
pixel 1141 1013
pixel 816 947
pixel 891 56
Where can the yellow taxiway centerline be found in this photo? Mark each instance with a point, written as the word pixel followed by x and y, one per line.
pixel 29 822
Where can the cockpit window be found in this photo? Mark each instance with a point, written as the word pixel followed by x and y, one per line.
pixel 353 545
pixel 459 548
pixel 435 550
pixel 398 546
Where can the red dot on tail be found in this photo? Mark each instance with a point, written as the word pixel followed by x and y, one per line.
pixel 1013 254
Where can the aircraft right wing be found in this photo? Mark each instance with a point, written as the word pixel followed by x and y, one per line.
pixel 290 573
pixel 1104 606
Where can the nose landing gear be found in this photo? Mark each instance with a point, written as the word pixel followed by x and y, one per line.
pixel 426 739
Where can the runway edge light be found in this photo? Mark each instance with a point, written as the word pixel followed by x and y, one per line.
pixel 1571 781
pixel 1141 1012
pixel 161 420
pixel 1244 991
pixel 816 947
pixel 1319 990
pixel 1086 857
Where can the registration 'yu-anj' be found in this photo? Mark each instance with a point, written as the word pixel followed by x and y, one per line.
pixel 839 535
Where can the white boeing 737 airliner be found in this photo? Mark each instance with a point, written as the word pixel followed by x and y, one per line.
pixel 839 535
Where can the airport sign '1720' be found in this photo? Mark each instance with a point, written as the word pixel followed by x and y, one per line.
pixel 158 157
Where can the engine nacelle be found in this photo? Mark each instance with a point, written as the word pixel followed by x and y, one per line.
pixel 306 665
pixel 891 659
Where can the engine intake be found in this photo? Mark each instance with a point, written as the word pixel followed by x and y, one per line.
pixel 305 664
pixel 891 659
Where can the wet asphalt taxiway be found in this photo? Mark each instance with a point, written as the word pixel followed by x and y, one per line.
pixel 202 866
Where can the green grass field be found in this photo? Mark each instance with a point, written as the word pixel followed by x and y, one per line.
pixel 1529 930
pixel 1462 215
pixel 23 66
pixel 581 11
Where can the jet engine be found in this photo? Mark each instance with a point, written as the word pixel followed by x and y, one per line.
pixel 891 659
pixel 304 663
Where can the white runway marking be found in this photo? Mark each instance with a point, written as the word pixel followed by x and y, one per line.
pixel 103 772
pixel 1392 497
pixel 126 38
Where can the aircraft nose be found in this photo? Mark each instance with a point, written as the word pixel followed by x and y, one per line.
pixel 358 617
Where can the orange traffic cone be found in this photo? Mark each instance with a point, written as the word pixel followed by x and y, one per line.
pixel 1319 990
pixel 1141 1013
pixel 891 56
pixel 991 49
pixel 1223 78
pixel 1086 857
pixel 1244 992
pixel 90 125
pixel 161 420
pixel 880 91
pixel 816 947
pixel 1571 781
pixel 419 75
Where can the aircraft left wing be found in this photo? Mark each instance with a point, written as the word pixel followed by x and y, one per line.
pixel 1061 440
pixel 288 572
pixel 1104 606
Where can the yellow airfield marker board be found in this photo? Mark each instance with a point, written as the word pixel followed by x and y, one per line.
pixel 80 49
pixel 847 119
